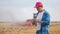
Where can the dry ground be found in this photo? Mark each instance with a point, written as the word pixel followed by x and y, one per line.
pixel 7 28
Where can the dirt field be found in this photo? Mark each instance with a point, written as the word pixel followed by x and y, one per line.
pixel 7 28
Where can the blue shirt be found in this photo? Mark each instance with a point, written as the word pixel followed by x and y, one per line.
pixel 45 23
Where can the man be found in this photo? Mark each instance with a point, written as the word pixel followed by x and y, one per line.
pixel 42 19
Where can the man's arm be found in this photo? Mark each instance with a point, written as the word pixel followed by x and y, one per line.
pixel 46 21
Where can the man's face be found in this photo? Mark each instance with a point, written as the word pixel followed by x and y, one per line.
pixel 39 9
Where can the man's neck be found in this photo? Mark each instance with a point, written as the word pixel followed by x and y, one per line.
pixel 41 11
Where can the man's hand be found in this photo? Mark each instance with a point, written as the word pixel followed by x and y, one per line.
pixel 38 20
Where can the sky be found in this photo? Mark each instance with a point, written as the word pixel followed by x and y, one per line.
pixel 19 10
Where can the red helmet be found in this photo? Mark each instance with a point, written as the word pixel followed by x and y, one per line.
pixel 38 4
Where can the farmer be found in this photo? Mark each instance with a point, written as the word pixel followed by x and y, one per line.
pixel 42 19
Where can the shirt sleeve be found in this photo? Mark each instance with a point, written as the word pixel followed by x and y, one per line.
pixel 46 21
